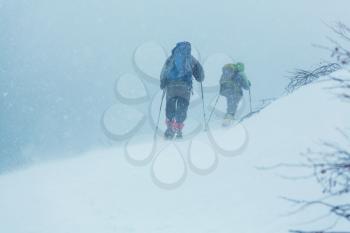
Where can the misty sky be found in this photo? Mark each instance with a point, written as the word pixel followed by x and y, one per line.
pixel 59 59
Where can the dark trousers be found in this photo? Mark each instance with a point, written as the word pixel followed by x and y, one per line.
pixel 232 103
pixel 176 109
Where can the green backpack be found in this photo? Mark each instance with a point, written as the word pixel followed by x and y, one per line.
pixel 228 84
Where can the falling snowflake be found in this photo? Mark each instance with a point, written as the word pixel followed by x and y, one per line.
pixel 134 115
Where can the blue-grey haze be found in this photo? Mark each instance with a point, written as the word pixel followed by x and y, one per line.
pixel 59 59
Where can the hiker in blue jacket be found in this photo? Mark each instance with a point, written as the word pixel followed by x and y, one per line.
pixel 176 79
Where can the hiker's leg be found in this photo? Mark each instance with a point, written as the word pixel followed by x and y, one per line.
pixel 181 115
pixel 181 110
pixel 231 105
pixel 236 100
pixel 170 109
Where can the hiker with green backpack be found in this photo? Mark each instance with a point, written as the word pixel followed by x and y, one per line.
pixel 232 83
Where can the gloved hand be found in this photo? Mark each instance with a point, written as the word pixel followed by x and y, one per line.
pixel 163 84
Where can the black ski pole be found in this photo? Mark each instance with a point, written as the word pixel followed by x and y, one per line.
pixel 212 111
pixel 160 111
pixel 205 121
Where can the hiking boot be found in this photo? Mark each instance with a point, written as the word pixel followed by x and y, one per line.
pixel 178 129
pixel 179 135
pixel 169 134
pixel 228 120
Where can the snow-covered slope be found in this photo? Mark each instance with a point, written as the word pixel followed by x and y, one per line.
pixel 101 192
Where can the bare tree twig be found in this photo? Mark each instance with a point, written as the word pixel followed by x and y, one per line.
pixel 303 77
pixel 342 54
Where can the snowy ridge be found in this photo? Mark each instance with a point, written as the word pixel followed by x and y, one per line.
pixel 101 192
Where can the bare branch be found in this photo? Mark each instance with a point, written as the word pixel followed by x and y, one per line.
pixel 343 84
pixel 340 52
pixel 303 77
pixel 331 166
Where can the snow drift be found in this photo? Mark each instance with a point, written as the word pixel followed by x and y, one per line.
pixel 101 192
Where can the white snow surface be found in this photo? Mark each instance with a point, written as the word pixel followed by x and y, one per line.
pixel 100 192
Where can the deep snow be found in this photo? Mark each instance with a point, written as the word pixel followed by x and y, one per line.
pixel 102 192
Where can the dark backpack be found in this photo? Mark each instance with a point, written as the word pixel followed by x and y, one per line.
pixel 180 63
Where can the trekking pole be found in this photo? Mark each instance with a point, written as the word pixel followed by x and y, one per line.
pixel 204 117
pixel 250 101
pixel 212 111
pixel 160 111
